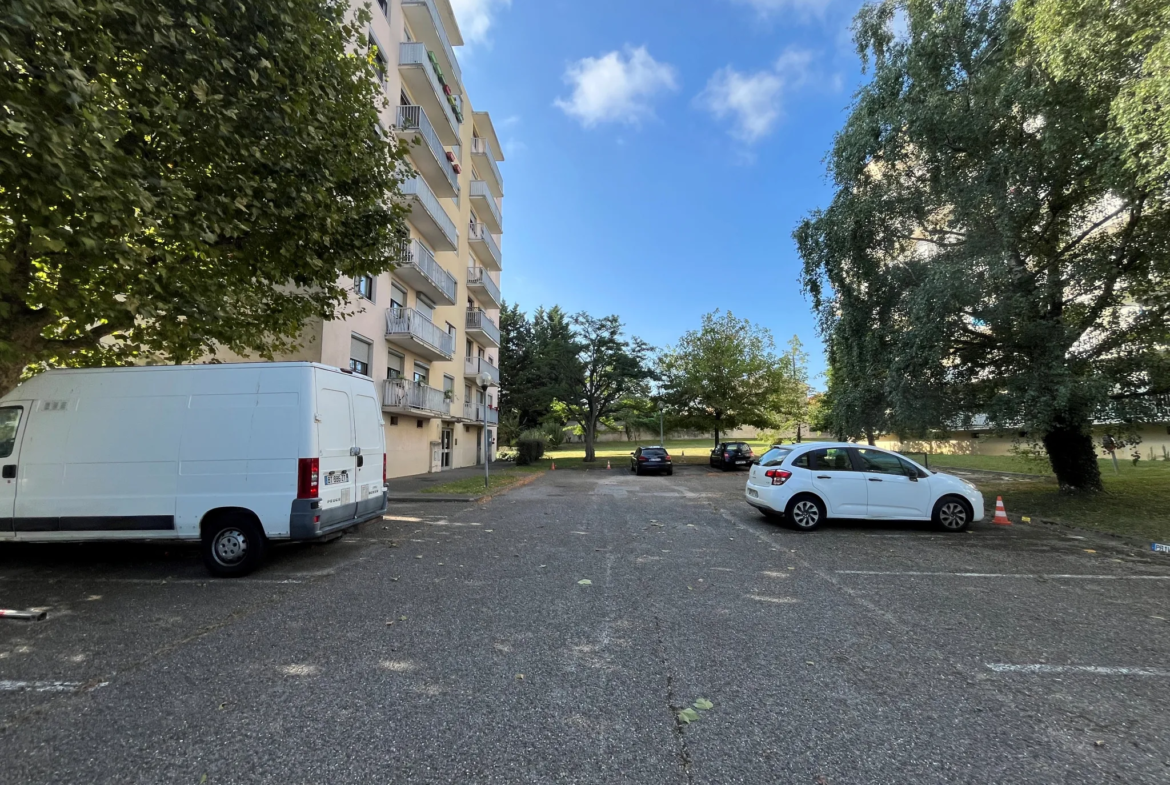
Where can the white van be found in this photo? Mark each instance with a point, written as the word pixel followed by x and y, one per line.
pixel 232 455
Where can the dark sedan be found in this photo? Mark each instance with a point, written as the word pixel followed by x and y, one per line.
pixel 732 455
pixel 645 460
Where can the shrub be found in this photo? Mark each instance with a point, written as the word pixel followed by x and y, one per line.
pixel 529 447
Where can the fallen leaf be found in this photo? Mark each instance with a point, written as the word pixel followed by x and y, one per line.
pixel 394 579
pixel 704 704
pixel 792 568
pixel 519 677
pixel 1100 742
pixel 688 715
pixel 489 531
pixel 418 557
pixel 584 582
pixel 1089 550
pixel 809 662
pixel 389 624
pixel 401 618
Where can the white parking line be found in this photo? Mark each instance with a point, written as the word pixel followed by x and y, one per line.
pixel 1092 669
pixel 168 581
pixel 776 600
pixel 1052 576
pixel 46 686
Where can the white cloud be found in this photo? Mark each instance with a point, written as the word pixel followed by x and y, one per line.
pixel 616 88
pixel 775 7
pixel 755 102
pixel 475 17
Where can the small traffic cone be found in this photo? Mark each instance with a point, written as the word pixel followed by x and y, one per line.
pixel 1000 514
pixel 554 466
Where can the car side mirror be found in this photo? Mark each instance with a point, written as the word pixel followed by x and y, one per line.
pixel 913 478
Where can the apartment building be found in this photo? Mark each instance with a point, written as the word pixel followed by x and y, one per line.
pixel 428 331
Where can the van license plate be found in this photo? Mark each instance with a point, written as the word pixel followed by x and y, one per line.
pixel 753 494
pixel 337 478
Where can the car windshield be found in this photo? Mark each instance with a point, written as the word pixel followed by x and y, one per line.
pixel 775 456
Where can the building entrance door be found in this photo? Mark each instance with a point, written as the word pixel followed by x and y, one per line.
pixel 448 436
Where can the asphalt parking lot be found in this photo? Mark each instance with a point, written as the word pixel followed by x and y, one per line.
pixel 456 643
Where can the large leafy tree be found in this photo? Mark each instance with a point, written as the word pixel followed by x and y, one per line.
pixel 727 374
pixel 607 369
pixel 178 176
pixel 989 224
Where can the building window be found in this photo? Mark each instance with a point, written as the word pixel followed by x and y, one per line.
pixel 404 99
pixel 364 286
pixel 468 347
pixel 425 307
pixel 449 387
pixel 397 296
pixel 451 332
pixel 422 373
pixel 360 351
pixel 418 423
pixel 393 419
pixel 379 61
pixel 394 363
pixel 385 6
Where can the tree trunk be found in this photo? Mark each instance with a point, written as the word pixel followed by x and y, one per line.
pixel 869 436
pixel 590 453
pixel 1073 457
pixel 798 434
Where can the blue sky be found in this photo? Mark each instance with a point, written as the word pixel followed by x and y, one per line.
pixel 660 152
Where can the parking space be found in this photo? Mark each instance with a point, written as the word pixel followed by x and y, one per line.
pixel 554 633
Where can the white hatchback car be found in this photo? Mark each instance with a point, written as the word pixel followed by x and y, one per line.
pixel 807 483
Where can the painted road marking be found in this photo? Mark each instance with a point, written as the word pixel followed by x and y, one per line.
pixel 1010 575
pixel 776 600
pixel 1091 669
pixel 46 686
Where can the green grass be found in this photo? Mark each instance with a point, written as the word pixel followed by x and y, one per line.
pixel 1136 502
pixel 572 456
pixel 500 479
pixel 997 463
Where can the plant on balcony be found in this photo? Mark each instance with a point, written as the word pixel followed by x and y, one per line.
pixel 448 395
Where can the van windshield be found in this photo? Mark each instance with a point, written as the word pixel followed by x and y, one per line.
pixel 9 419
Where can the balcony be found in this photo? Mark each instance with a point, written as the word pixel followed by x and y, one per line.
pixel 484 246
pixel 483 287
pixel 427 27
pixel 482 329
pixel 420 270
pixel 475 411
pixel 410 330
pixel 418 74
pixel 481 153
pixel 426 151
pixel 474 366
pixel 428 216
pixel 485 206
pixel 402 396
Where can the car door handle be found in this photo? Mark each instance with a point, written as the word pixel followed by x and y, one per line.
pixel 823 477
pixel 874 479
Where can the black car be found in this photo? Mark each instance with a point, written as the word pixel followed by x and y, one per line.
pixel 732 455
pixel 651 459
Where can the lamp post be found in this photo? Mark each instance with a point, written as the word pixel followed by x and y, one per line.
pixel 485 381
pixel 661 437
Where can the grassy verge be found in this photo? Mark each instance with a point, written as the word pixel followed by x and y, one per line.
pixel 500 479
pixel 995 463
pixel 572 456
pixel 1136 502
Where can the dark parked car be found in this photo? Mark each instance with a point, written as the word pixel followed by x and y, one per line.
pixel 732 455
pixel 651 459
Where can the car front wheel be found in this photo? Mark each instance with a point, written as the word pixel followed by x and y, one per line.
pixel 953 514
pixel 805 513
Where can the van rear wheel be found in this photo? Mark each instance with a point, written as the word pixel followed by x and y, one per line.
pixel 233 545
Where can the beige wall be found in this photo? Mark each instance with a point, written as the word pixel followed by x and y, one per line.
pixel 1154 437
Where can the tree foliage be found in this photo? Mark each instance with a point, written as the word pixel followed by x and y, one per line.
pixel 992 247
pixel 726 374
pixel 537 362
pixel 182 175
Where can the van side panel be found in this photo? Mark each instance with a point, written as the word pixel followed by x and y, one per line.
pixel 367 416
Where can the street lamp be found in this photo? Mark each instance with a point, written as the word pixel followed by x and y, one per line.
pixel 661 437
pixel 485 381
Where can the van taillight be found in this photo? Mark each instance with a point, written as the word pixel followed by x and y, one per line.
pixel 308 478
pixel 383 468
pixel 778 476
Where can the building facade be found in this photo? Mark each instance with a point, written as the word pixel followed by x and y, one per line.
pixel 427 331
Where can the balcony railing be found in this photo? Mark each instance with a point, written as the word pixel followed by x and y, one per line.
pixel 406 395
pixel 438 24
pixel 479 233
pixel 474 366
pixel 413 118
pixel 418 256
pixel 407 321
pixel 480 146
pixel 478 276
pixel 417 188
pixel 412 53
pixel 477 320
pixel 480 190
pixel 475 412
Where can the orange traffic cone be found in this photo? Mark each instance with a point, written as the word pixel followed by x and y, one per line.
pixel 554 466
pixel 607 465
pixel 1000 514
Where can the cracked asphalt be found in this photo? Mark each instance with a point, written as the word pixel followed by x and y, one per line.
pixel 456 644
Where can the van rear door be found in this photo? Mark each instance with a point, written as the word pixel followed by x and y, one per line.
pixel 337 449
pixel 371 440
pixel 13 415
